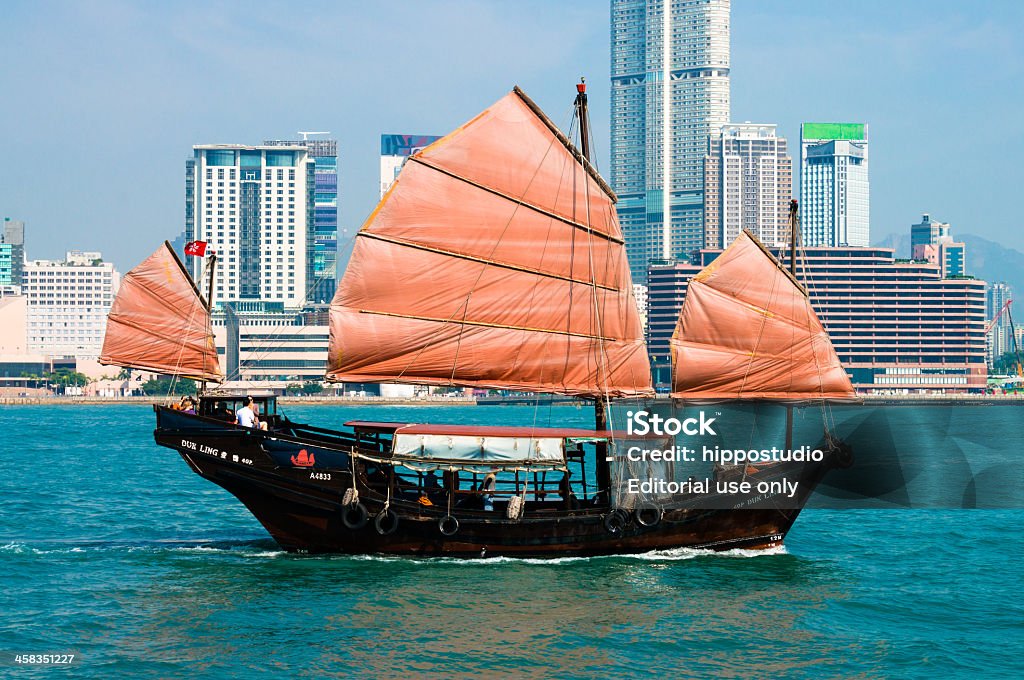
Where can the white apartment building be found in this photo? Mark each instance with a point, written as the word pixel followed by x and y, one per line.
pixel 68 303
pixel 834 195
pixel 253 205
pixel 748 183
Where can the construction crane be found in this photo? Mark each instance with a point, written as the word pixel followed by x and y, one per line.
pixel 305 134
pixel 1019 372
pixel 1013 340
pixel 995 318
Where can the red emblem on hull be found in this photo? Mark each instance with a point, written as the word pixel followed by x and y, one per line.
pixel 304 459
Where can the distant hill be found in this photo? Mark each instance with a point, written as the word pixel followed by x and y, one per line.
pixel 985 259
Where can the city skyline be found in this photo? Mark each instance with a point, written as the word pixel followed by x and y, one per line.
pixel 91 85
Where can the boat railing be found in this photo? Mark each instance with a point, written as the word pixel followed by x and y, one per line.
pixel 468 489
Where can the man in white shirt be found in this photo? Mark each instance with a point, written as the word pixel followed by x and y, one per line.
pixel 246 416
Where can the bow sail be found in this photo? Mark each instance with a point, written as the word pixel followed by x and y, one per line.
pixel 748 331
pixel 495 260
pixel 159 322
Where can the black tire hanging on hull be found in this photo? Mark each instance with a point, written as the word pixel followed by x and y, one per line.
pixel 386 522
pixel 615 521
pixel 647 516
pixel 448 525
pixel 354 516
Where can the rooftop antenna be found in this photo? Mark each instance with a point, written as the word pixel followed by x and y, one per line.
pixel 305 135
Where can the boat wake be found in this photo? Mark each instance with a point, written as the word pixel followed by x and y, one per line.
pixel 239 548
pixel 267 549
pixel 672 555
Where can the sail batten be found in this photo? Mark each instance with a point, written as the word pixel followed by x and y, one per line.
pixel 495 260
pixel 160 322
pixel 524 204
pixel 748 330
pixel 468 322
pixel 482 260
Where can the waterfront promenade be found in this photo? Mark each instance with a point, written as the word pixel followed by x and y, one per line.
pixel 867 399
pixel 350 401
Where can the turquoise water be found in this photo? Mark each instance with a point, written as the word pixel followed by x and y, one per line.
pixel 111 548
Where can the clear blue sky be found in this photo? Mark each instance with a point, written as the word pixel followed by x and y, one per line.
pixel 102 100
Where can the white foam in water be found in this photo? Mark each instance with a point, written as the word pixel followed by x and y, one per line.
pixel 670 555
pixel 250 551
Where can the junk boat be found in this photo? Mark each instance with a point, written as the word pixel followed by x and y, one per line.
pixel 495 261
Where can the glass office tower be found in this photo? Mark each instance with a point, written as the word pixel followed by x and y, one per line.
pixel 669 93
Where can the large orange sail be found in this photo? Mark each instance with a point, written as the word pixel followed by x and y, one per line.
pixel 495 260
pixel 748 331
pixel 160 323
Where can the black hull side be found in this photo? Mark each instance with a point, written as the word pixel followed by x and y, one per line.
pixel 301 507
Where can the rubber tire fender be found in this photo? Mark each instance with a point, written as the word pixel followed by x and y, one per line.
pixel 386 522
pixel 354 516
pixel 448 525
pixel 615 521
pixel 647 516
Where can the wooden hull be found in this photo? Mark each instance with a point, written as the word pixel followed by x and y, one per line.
pixel 302 507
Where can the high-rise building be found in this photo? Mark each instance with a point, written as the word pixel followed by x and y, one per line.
pixel 6 266
pixel 928 232
pixel 996 297
pixel 325 214
pixel 640 295
pixel 669 92
pixel 254 205
pixel 68 303
pixel 14 236
pixel 999 336
pixel 896 325
pixel 748 183
pixel 931 241
pixel 834 201
pixel 394 150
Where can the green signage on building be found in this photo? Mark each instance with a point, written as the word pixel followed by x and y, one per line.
pixel 854 131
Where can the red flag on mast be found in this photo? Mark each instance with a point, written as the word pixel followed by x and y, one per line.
pixel 196 248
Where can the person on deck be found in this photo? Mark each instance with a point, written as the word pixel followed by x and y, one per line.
pixel 248 415
pixel 565 490
pixel 487 491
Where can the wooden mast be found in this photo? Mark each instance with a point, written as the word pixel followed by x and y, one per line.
pixel 600 401
pixel 209 302
pixel 600 411
pixel 794 228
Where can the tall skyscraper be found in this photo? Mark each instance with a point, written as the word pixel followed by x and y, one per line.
pixel 14 236
pixel 394 149
pixel 999 340
pixel 667 97
pixel 325 214
pixel 748 183
pixel 254 205
pixel 996 296
pixel 834 203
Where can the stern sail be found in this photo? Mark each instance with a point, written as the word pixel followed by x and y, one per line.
pixel 159 322
pixel 495 260
pixel 747 330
